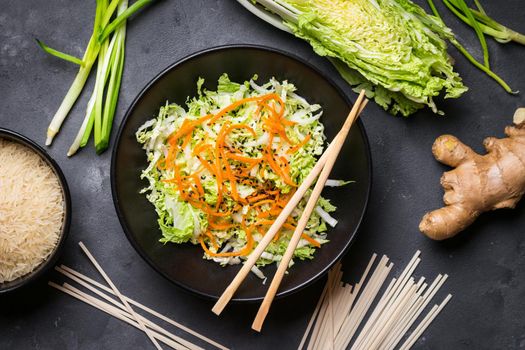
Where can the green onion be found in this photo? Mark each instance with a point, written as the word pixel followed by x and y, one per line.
pixel 99 113
pixel 487 25
pixel 99 98
pixel 113 91
pixel 108 13
pixel 469 57
pixel 86 127
pixel 122 17
pixel 89 58
pixel 474 24
pixel 94 106
pixel 116 68
pixel 480 8
pixel 62 55
pixel 74 91
pixel 109 51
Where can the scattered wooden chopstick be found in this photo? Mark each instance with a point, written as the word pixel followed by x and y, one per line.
pixel 119 310
pixel 305 216
pixel 342 310
pixel 92 285
pixel 110 283
pixel 292 203
pixel 123 316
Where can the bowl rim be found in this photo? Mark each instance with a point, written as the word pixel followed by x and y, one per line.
pixel 127 230
pixel 41 269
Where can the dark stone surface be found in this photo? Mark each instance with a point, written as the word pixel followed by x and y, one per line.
pixel 486 263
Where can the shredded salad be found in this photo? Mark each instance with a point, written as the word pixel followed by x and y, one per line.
pixel 221 170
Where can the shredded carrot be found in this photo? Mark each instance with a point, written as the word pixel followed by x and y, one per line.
pixel 186 127
pixel 241 126
pixel 172 180
pixel 264 222
pixel 244 251
pixel 279 171
pixel 299 145
pixel 288 122
pixel 217 226
pixel 203 119
pixel 243 159
pixel 237 104
pixel 289 226
pixel 201 147
pixel 274 96
pixel 257 197
pixel 213 240
pixel 275 211
pixel 311 240
pixel 263 202
pixel 264 214
pixel 186 141
pixel 248 170
pixel 232 168
pixel 197 182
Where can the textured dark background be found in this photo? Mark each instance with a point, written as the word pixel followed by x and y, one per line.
pixel 486 263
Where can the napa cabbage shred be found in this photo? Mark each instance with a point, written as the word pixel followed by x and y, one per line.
pixel 222 168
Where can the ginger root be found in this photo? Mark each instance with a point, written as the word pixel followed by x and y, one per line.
pixel 478 183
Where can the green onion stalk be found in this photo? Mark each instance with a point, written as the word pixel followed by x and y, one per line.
pixel 472 18
pixel 101 107
pixel 110 54
pixel 110 105
pixel 462 5
pixel 78 84
pixel 103 13
pixel 62 55
pixel 485 23
pixel 94 106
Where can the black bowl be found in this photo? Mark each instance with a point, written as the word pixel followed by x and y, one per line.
pixel 183 264
pixel 51 260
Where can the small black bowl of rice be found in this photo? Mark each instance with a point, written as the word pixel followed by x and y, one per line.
pixel 35 211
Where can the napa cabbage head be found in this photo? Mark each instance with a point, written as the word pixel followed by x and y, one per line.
pixel 390 48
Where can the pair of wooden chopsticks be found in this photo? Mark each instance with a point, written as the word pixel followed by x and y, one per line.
pixel 322 168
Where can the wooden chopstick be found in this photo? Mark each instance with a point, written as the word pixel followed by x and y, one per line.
pixel 92 285
pixel 281 218
pixel 268 236
pixel 310 206
pixel 117 292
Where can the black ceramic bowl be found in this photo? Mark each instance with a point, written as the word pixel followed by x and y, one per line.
pixel 183 264
pixel 51 260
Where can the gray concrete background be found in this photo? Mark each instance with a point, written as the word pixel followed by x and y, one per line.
pixel 486 263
